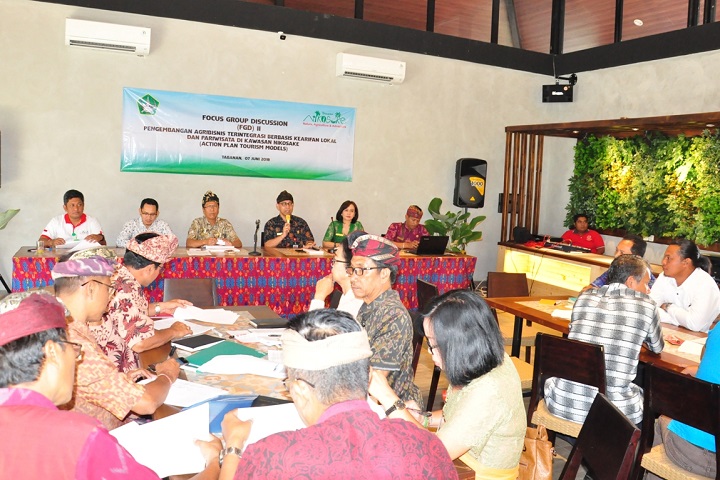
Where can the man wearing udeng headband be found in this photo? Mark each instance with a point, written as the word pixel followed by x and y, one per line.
pixel 286 230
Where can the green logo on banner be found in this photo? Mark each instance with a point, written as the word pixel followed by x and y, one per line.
pixel 148 105
pixel 326 118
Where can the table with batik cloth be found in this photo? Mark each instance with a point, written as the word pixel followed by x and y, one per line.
pixel 282 278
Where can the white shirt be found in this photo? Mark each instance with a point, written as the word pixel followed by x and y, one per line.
pixel 694 305
pixel 135 227
pixel 61 227
pixel 348 303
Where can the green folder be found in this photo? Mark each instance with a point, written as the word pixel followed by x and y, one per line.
pixel 223 348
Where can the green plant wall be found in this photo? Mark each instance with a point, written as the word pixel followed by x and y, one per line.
pixel 649 185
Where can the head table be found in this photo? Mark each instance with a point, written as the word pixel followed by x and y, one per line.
pixel 283 279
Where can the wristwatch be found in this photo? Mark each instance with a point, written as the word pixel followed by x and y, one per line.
pixel 229 451
pixel 398 405
pixel 157 309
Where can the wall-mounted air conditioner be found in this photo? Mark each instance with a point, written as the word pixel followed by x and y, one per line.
pixel 107 36
pixel 369 68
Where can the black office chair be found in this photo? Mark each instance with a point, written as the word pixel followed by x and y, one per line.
pixel 200 291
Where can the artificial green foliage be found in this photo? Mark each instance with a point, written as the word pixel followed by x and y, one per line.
pixel 457 225
pixel 649 185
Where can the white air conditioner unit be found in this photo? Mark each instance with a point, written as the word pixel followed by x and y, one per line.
pixel 369 68
pixel 107 36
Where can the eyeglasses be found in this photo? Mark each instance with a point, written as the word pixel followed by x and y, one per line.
pixel 286 204
pixel 111 289
pixel 431 347
pixel 360 271
pixel 288 381
pixel 148 214
pixel 335 260
pixel 76 347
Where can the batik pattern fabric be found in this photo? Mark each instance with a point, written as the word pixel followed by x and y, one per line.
pixel 389 329
pixel 398 232
pixel 200 229
pixel 299 235
pixel 125 323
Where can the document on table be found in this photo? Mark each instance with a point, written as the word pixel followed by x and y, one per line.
pixel 184 394
pixel 198 252
pixel 270 337
pixel 242 365
pixel 210 315
pixel 561 313
pixel 78 245
pixel 693 347
pixel 165 323
pixel 270 420
pixel 167 446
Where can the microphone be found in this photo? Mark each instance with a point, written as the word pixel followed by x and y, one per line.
pixel 255 253
pixel 287 218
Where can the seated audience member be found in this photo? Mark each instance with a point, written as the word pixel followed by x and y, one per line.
pixel 581 236
pixel 326 355
pixel 685 291
pixel 286 230
pixel 38 368
pixel 127 329
pixel 483 421
pixel 101 391
pixel 74 225
pixel 346 222
pixel 686 446
pixel 619 316
pixel 211 229
pixel 147 222
pixel 338 274
pixel 629 245
pixel 373 269
pixel 407 234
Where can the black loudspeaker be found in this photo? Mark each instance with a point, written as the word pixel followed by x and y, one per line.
pixel 470 174
pixel 521 234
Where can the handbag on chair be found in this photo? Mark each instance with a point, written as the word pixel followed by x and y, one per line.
pixel 537 456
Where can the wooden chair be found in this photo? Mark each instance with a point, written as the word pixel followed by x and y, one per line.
pixel 503 284
pixel 200 291
pixel 335 298
pixel 683 398
pixel 568 359
pixel 426 291
pixel 607 443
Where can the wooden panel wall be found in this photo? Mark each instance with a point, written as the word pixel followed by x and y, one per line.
pixel 521 187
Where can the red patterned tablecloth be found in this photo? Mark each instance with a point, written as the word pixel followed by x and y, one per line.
pixel 286 284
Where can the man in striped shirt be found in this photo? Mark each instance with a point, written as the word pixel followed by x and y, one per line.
pixel 620 316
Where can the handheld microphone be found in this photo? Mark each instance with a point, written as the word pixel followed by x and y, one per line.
pixel 255 253
pixel 287 218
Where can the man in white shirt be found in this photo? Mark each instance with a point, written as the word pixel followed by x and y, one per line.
pixel 147 222
pixel 74 225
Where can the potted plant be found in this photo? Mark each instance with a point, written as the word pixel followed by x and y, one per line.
pixel 457 225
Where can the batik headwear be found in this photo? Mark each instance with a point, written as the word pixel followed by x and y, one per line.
pixel 95 266
pixel 413 212
pixel 284 195
pixel 31 314
pixel 331 351
pixel 372 246
pixel 105 252
pixel 210 197
pixel 156 249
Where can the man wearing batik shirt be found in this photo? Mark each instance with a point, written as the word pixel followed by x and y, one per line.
pixel 286 230
pixel 127 329
pixel 620 316
pixel 82 284
pixel 373 269
pixel 326 355
pixel 210 229
pixel 407 234
pixel 148 221
pixel 38 440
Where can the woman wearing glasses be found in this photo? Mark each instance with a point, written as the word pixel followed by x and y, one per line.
pixel 483 422
pixel 338 274
pixel 346 222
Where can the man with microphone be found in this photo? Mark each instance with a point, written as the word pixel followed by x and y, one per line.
pixel 286 230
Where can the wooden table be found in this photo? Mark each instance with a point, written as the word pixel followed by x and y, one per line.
pixel 514 306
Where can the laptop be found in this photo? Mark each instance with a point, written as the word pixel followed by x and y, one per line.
pixel 431 245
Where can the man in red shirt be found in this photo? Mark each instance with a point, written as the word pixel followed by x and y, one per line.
pixel 582 236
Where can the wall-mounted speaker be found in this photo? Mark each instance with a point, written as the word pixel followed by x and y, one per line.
pixel 470 175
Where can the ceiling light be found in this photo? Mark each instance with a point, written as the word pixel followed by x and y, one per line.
pixel 635 129
pixel 710 125
pixel 638 22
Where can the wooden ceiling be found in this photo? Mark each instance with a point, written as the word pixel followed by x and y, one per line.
pixel 588 23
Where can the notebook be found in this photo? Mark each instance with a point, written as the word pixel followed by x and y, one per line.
pixel 225 347
pixel 196 343
pixel 431 245
pixel 275 322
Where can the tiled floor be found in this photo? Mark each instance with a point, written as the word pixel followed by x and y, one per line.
pixel 424 376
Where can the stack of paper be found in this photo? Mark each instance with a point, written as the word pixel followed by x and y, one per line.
pixel 210 315
pixel 165 323
pixel 184 394
pixel 242 365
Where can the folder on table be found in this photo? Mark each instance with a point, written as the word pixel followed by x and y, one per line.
pixel 223 348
